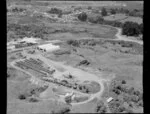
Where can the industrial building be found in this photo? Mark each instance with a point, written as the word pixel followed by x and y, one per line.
pixel 48 47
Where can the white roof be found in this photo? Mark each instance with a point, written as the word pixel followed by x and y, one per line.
pixel 109 99
pixel 49 46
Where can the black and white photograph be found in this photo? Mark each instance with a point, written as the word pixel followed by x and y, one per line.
pixel 74 56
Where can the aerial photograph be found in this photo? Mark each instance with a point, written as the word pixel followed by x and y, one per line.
pixel 74 56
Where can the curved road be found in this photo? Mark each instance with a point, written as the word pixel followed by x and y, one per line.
pixel 75 71
pixel 119 36
pixel 125 38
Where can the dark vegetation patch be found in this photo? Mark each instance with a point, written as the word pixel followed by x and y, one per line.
pixel 64 110
pixel 133 48
pixel 101 107
pixel 28 94
pixel 126 97
pixel 83 62
pixel 28 30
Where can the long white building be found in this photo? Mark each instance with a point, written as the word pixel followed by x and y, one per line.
pixel 48 47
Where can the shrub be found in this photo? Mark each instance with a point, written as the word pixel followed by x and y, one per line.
pixel 73 42
pixel 55 11
pixel 22 97
pixel 113 11
pixel 68 99
pixel 101 108
pixel 61 111
pixel 104 12
pixel 131 91
pixel 82 16
pixel 33 100
pixel 131 29
pixel 123 82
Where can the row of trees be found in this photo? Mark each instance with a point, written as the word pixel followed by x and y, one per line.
pixel 135 12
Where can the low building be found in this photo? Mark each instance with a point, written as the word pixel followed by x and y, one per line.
pixel 48 47
pixel 109 99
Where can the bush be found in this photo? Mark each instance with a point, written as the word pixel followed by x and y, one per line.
pixel 55 11
pixel 68 99
pixel 73 42
pixel 22 97
pixel 131 29
pixel 101 108
pixel 123 82
pixel 104 12
pixel 113 11
pixel 61 111
pixel 82 16
pixel 33 100
pixel 64 110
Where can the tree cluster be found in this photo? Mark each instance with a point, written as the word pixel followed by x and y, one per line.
pixel 104 12
pixel 18 9
pixel 55 11
pixel 73 43
pixel 132 29
pixel 101 108
pixel 82 16
pixel 130 95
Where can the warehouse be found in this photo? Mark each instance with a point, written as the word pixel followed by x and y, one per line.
pixel 48 47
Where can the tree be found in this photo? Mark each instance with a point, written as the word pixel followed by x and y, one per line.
pixel 80 87
pixel 73 42
pixel 55 11
pixel 130 29
pixel 123 82
pixel 82 16
pixel 101 108
pixel 104 12
pixel 22 97
pixel 113 11
pixel 68 99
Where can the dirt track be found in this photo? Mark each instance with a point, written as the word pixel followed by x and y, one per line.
pixel 80 74
pixel 125 38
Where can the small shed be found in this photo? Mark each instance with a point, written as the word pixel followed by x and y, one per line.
pixel 109 99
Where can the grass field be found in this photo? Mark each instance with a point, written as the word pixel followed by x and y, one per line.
pixel 123 18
